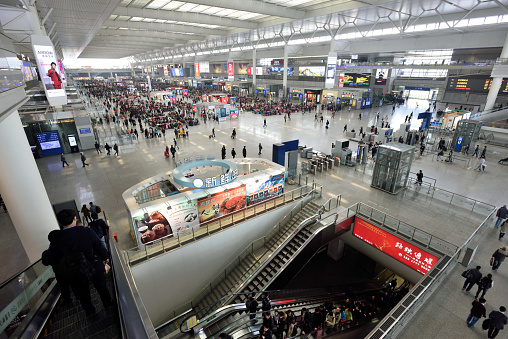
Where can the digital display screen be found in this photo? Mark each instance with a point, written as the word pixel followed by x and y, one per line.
pixel 380 81
pixel 72 140
pixel 84 130
pixel 49 143
pixel 474 83
pixel 355 80
pixel 406 253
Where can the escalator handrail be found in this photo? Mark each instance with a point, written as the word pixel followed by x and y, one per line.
pixel 13 277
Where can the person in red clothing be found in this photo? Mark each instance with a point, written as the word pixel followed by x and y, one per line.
pixel 55 77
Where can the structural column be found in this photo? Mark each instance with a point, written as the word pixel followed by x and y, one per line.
pixel 254 64
pixel 496 80
pixel 22 189
pixel 285 75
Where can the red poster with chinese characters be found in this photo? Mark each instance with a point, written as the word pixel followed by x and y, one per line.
pixel 249 70
pixel 221 203
pixel 196 70
pixel 403 251
pixel 231 70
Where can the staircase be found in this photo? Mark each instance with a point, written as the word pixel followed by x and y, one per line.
pixel 250 264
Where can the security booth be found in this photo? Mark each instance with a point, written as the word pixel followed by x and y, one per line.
pixel 392 167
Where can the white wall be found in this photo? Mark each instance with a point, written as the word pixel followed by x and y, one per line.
pixel 170 280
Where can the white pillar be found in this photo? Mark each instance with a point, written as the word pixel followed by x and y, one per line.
pixel 22 189
pixel 34 21
pixel 285 75
pixel 496 81
pixel 254 64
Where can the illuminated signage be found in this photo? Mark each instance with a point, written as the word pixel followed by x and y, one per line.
pixel 231 70
pixel 196 70
pixel 408 254
pixel 331 64
pixel 317 71
pixel 49 143
pixel 356 80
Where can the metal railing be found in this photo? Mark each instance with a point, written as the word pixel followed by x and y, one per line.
pixel 431 181
pixel 171 242
pixel 454 158
pixel 453 198
pixel 254 246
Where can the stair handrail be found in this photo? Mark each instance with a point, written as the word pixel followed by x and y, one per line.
pixel 183 309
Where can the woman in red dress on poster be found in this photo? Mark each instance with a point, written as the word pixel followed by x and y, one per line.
pixel 55 77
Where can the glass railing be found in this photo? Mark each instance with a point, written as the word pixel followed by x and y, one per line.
pixel 249 250
pixel 171 242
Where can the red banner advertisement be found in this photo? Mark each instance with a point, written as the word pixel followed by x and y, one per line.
pixel 249 70
pixel 231 70
pixel 221 203
pixel 196 70
pixel 408 254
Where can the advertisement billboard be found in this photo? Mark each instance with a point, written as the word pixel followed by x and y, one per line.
pixel 204 67
pixel 231 70
pixel 356 80
pixel 259 70
pixel 221 203
pixel 234 113
pixel 49 71
pixel 401 250
pixel 264 188
pixel 312 71
pixel 62 71
pixel 331 65
pixel 49 143
pixel 165 70
pixel 196 70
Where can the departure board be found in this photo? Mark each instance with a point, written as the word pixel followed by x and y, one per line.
pixel 474 83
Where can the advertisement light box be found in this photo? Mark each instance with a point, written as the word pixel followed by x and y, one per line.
pixel 408 254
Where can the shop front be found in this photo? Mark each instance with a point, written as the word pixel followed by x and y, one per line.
pixel 261 91
pixel 329 97
pixel 197 194
pixel 295 94
pixel 312 96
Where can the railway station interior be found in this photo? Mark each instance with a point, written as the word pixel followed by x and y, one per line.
pixel 347 158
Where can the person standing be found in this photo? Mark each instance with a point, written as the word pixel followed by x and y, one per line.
pixel 78 239
pixel 264 123
pixel 501 214
pixel 472 276
pixel 100 228
pixel 498 257
pixel 115 147
pixel 497 321
pixel 233 152
pixel 484 285
pixel 97 148
pixel 64 162
pixel 213 132
pixel 244 152
pixel 252 306
pixel 55 77
pixel 260 148
pixel 285 118
pixel 223 152
pixel 83 159
pixel 173 151
pixel 477 311
pixel 108 149
pixel 419 178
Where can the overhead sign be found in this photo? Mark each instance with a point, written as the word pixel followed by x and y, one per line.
pixel 230 173
pixel 331 65
pixel 401 250
pixel 48 69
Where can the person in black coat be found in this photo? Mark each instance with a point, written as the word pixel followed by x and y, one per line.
pixel 47 260
pixel 100 228
pixel 472 277
pixel 80 239
pixel 497 322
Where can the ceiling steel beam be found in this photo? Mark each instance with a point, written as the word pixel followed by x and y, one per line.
pixel 184 17
pixel 254 6
pixel 161 27
pixel 144 34
pixel 127 39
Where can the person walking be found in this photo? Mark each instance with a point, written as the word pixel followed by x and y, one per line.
pixel 233 152
pixel 108 149
pixel 213 132
pixel 78 239
pixel 172 149
pixel 62 159
pixel 484 285
pixel 223 152
pixel 360 116
pixel 501 214
pixel 477 311
pixel 97 148
pixel 285 118
pixel 86 213
pixel 484 152
pixel 252 306
pixel 472 276
pixel 475 153
pixel 345 128
pixel 264 123
pixel 498 257
pixel 260 148
pixel 244 152
pixel 115 147
pixel 502 229
pixel 497 321
pixel 83 159
pixel 481 165
pixel 419 178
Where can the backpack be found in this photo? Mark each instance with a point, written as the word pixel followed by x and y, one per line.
pixel 98 209
pixel 486 324
pixel 73 265
pixel 97 229
pixel 266 304
pixel 468 274
pixel 248 304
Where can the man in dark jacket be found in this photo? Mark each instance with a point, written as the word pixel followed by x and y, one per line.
pixel 502 213
pixel 252 306
pixel 472 277
pixel 498 257
pixel 477 311
pixel 47 260
pixel 73 238
pixel 100 228
pixel 268 323
pixel 497 322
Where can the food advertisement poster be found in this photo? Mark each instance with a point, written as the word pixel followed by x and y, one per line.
pixel 159 222
pixel 401 250
pixel 265 188
pixel 221 203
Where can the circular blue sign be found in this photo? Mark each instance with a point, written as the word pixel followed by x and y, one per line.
pixel 230 173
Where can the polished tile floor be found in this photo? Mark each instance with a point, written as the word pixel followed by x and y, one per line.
pixel 107 177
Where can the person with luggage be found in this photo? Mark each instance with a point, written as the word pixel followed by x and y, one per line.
pixel 472 276
pixel 477 311
pixel 64 162
pixel 498 257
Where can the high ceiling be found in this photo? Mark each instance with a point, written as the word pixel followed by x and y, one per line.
pixel 121 28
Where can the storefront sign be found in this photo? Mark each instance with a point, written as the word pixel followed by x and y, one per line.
pixel 230 173
pixel 312 71
pixel 406 253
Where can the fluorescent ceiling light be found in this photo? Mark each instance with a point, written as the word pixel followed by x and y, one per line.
pixel 185 8
pixel 157 4
pixel 212 10
pixel 148 20
pixel 136 18
pixel 172 5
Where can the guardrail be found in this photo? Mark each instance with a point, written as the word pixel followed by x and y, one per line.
pixel 249 250
pixel 171 241
pixel 454 158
